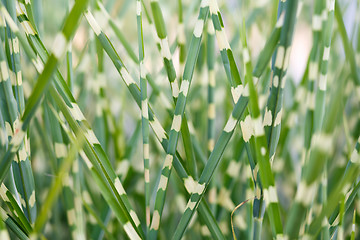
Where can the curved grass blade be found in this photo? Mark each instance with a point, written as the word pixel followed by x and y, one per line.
pixel 226 52
pixel 164 46
pixel 269 48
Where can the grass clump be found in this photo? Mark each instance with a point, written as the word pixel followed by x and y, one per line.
pixel 261 148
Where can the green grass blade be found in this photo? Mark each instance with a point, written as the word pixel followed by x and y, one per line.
pixel 9 221
pixel 178 115
pixel 274 108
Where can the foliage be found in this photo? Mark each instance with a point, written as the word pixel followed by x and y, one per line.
pixel 259 150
